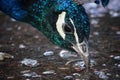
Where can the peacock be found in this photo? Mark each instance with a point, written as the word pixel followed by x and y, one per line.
pixel 63 22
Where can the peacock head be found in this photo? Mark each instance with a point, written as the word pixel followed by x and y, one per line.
pixel 71 26
pixel 65 24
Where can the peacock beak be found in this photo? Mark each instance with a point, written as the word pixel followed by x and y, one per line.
pixel 82 49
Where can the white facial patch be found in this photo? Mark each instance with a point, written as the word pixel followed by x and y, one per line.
pixel 79 46
pixel 60 22
pixel 75 33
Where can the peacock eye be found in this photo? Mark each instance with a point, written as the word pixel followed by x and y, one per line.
pixel 67 28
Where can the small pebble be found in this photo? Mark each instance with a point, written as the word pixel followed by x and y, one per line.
pixel 13 20
pixel 111 56
pixel 118 65
pixel 50 72
pixel 36 36
pixel 31 74
pixel 68 78
pixel 101 75
pixel 9 29
pixel 118 32
pixel 21 46
pixel 76 74
pixel 27 75
pixel 103 64
pixel 77 79
pixel 10 77
pixel 96 33
pixel 48 53
pixel 64 68
pixel 117 75
pixel 117 57
pixel 92 63
pixel 94 21
pixel 12 44
pixel 114 14
pixel 19 28
pixel 115 64
pixel 108 74
pixel 25 71
pixel 79 64
pixel 66 54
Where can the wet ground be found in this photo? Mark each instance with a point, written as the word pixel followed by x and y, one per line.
pixel 24 42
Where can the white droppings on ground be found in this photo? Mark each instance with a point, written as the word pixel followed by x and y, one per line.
pixel 10 77
pixel 66 54
pixel 49 72
pixel 117 57
pixel 30 62
pixel 48 53
pixel 118 32
pixel 101 75
pixel 111 56
pixel 19 28
pixel 79 64
pixel 25 71
pixel 68 77
pixel 96 33
pixel 12 44
pixel 92 62
pixel 76 74
pixel 21 46
pixel 108 74
pixel 78 79
pixel 118 65
pixel 117 75
pixel 103 64
pixel 36 36
pixel 13 20
pixel 31 74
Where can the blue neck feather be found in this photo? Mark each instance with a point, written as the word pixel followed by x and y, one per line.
pixel 11 7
